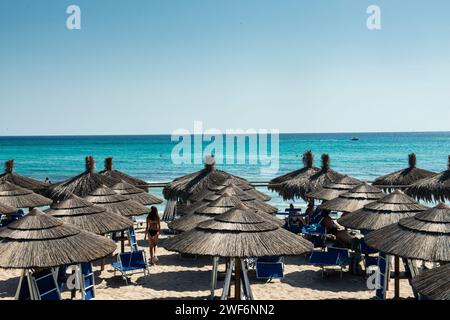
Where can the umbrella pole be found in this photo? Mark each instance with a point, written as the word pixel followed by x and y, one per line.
pixel 214 277
pixel 397 277
pixel 227 282
pixel 122 241
pixel 237 279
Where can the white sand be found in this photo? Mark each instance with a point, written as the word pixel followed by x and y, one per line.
pixel 177 278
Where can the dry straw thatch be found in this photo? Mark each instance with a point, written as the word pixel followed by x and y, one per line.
pixel 434 283
pixel 184 187
pixel 238 233
pixel 426 236
pixel 42 241
pixel 5 209
pixel 82 184
pixel 435 188
pixel 114 202
pixel 88 217
pixel 21 181
pixel 135 193
pixel 386 211
pixel 119 175
pixel 403 177
pixel 244 186
pixel 298 183
pixel 355 199
pixel 17 197
pixel 334 190
pixel 220 205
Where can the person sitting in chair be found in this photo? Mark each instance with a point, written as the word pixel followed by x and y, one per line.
pixel 342 236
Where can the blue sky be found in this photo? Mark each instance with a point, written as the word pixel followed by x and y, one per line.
pixel 144 67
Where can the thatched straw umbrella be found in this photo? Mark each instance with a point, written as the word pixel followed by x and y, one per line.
pixel 21 181
pixel 298 183
pixel 238 233
pixel 184 187
pixel 383 212
pixel 119 175
pixel 39 240
pixel 355 199
pixel 113 202
pixel 243 185
pixel 435 188
pixel 249 198
pixel 5 209
pixel 204 211
pixel 221 204
pixel 403 178
pixel 425 236
pixel 82 184
pixel 135 193
pixel 334 190
pixel 434 284
pixel 88 217
pixel 17 197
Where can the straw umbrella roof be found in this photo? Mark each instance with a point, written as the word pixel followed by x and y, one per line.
pixel 334 189
pixel 21 181
pixel 298 183
pixel 244 186
pixel 378 214
pixel 5 209
pixel 426 236
pixel 188 222
pixel 435 188
pixel 434 283
pixel 39 240
pixel 88 217
pixel 403 177
pixel 220 205
pixel 17 197
pixel 82 184
pixel 238 233
pixel 119 175
pixel 188 185
pixel 135 193
pixel 116 203
pixel 355 199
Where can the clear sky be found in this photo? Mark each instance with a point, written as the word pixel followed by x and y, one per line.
pixel 152 66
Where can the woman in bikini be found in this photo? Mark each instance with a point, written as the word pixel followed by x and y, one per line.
pixel 152 230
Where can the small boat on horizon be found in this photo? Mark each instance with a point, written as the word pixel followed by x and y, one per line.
pixel 354 139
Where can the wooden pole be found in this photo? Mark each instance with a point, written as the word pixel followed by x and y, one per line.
pixel 237 279
pixel 122 241
pixel 397 277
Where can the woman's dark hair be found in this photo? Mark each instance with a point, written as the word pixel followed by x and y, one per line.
pixel 153 215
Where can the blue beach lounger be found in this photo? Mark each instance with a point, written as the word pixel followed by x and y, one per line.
pixel 87 281
pixel 269 268
pixel 45 284
pixel 132 239
pixel 128 262
pixel 333 257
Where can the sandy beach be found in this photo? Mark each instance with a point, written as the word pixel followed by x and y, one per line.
pixel 180 278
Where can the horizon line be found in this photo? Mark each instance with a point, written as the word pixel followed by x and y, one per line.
pixel 169 134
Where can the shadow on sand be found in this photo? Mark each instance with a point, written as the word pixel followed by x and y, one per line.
pixel 331 281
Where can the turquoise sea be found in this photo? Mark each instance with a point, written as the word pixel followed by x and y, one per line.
pixel 149 157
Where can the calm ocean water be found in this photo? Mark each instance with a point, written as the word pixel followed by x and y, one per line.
pixel 148 157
